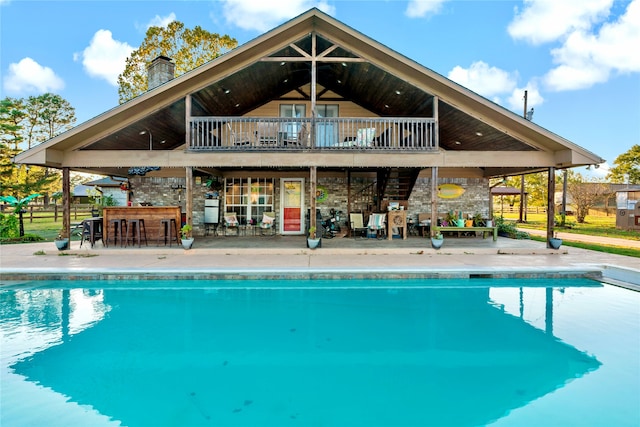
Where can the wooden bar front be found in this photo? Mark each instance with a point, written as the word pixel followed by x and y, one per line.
pixel 151 215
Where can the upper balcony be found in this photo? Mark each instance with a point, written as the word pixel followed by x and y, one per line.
pixel 295 134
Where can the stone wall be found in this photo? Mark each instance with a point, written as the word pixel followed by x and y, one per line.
pixel 171 192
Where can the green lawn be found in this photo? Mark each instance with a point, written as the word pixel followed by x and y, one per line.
pixel 594 225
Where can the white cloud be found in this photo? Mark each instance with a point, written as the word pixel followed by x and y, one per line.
pixel 29 77
pixel 160 21
pixel 483 79
pixel 586 59
pixel 593 44
pixel 260 15
pixel 543 21
pixel 422 8
pixel 105 57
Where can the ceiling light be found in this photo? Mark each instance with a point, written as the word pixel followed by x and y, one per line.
pixel 142 132
pixel 386 105
pixel 285 80
pixel 339 81
pixel 282 63
pixel 398 92
pixel 237 105
pixel 227 91
pixel 479 133
pixel 457 142
pixel 344 64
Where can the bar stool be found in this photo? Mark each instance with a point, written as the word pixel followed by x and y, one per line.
pixel 136 230
pixel 119 226
pixel 169 229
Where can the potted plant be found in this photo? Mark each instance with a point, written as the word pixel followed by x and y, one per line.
pixel 555 242
pixel 186 238
pixel 62 240
pixel 312 240
pixel 437 240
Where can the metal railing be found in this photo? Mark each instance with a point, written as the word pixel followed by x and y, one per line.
pixel 343 133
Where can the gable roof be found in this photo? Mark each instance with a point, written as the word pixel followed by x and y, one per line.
pixel 274 65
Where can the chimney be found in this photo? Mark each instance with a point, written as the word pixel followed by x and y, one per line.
pixel 160 71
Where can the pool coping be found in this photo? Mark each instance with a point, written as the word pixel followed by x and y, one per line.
pixel 594 272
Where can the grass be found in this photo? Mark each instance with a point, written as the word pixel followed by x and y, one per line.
pixel 604 226
pixel 616 250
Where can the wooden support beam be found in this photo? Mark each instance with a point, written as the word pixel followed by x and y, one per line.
pixel 66 203
pixel 434 200
pixel 551 211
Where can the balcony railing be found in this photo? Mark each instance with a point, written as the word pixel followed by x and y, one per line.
pixel 260 133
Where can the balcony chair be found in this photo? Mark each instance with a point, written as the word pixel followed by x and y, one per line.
pixel 268 223
pixel 356 221
pixel 231 223
pixel 376 225
pixel 365 136
pixel 238 138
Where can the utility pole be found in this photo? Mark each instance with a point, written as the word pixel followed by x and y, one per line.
pixel 521 210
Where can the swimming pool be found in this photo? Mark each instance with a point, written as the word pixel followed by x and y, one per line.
pixel 448 352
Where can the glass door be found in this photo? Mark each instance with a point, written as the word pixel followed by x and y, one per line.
pixel 327 132
pixel 292 202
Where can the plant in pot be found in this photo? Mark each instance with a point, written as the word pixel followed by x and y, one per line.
pixel 437 240
pixel 186 238
pixel 62 240
pixel 312 240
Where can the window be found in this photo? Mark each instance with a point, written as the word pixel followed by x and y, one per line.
pixel 249 198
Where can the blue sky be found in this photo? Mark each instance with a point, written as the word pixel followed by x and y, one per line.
pixel 579 60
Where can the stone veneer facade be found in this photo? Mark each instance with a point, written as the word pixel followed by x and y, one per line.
pixel 171 192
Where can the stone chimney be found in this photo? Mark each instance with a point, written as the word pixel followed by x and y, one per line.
pixel 160 71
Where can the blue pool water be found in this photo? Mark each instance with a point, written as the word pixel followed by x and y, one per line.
pixel 312 353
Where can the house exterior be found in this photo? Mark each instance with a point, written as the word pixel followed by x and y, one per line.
pixel 311 115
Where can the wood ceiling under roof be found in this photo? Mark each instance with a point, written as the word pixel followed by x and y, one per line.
pixel 340 75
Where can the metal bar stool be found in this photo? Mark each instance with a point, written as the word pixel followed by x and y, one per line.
pixel 119 231
pixel 169 230
pixel 135 231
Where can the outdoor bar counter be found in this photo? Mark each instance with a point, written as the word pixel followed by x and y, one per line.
pixel 151 215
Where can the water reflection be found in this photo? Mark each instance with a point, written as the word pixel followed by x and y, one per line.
pixel 440 356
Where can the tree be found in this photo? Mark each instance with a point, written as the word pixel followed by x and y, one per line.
pixel 188 48
pixel 627 167
pixel 18 207
pixel 26 123
pixel 585 194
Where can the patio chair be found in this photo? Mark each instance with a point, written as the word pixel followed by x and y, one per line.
pixel 268 223
pixel 356 222
pixel 376 224
pixel 231 223
pixel 238 138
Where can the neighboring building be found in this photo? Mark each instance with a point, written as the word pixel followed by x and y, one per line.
pixel 112 186
pixel 312 114
pixel 628 207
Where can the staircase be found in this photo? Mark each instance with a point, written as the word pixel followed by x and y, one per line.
pixel 391 184
pixel 396 184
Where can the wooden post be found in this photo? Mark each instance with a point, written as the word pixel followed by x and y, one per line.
pixel 434 199
pixel 189 196
pixel 312 197
pixel 187 121
pixel 66 202
pixel 551 190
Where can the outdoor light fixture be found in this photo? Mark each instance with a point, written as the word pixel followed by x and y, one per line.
pixel 146 131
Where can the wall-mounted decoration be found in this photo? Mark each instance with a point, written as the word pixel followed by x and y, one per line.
pixel 321 194
pixel 450 191
pixel 142 170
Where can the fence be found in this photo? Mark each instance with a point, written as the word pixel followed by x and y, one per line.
pixel 52 211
